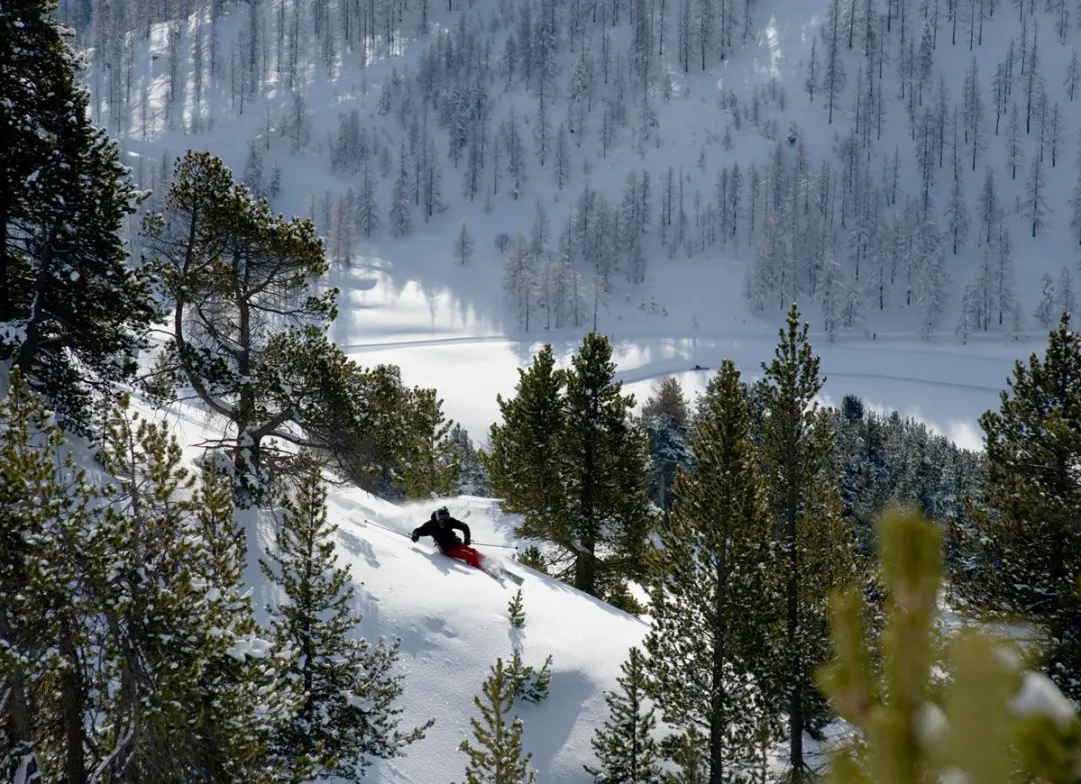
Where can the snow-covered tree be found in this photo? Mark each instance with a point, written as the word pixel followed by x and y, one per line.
pixel 833 70
pixel 463 243
pixel 1035 194
pixel 1073 75
pixel 541 233
pixel 366 207
pixel 815 549
pixel 239 280
pixel 1023 540
pixel 1066 298
pixel 520 280
pixel 1045 312
pixel 562 166
pixel 957 219
pixel 401 219
pixel 1013 142
pixel 75 310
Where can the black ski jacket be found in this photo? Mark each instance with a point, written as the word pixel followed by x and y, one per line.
pixel 442 531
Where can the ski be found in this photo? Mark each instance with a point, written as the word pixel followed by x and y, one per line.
pixel 517 579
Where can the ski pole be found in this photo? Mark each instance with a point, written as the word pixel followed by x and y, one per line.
pixel 479 544
pixel 399 533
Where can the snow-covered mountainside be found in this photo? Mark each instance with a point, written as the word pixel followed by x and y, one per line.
pixel 444 122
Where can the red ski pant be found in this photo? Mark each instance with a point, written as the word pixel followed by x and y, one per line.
pixel 464 553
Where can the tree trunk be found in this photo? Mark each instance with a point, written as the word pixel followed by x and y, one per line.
pixel 795 702
pixel 585 565
pixel 717 709
pixel 72 709
pixel 7 301
pixel 16 716
pixel 24 357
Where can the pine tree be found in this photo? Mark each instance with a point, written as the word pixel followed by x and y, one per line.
pixel 346 713
pixel 1066 300
pixel 625 747
pixel 431 463
pixel 496 755
pixel 981 724
pixel 520 280
pixel 44 541
pixel 562 166
pixel 570 461
pixel 180 701
pixel 240 704
pixel 1035 189
pixel 463 243
pixel 1013 142
pixel 604 475
pixel 833 70
pixel 690 755
pixel 401 220
pixel 816 553
pixel 524 461
pixel 1029 556
pixel 75 311
pixel 1045 311
pixel 516 611
pixel 366 209
pixel 711 606
pixel 472 475
pixel 666 421
pixel 239 278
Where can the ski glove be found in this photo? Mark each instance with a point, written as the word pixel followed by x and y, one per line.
pixel 414 536
pixel 467 540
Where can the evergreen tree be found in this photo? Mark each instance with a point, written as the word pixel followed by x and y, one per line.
pixel 1029 554
pixel 44 539
pixel 74 311
pixel 524 463
pixel 180 701
pixel 1045 310
pixel 431 465
pixel 244 317
pixel 625 747
pixel 1065 300
pixel 463 243
pixel 711 606
pixel 690 755
pixel 346 713
pixel 667 424
pixel 240 704
pixel 496 755
pixel 570 461
pixel 516 611
pixel 366 208
pixel 472 474
pixel 401 220
pixel 816 553
pixel 604 474
pixel 985 723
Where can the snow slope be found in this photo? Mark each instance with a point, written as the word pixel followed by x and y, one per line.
pixel 453 623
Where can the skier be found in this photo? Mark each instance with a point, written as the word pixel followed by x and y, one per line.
pixel 441 528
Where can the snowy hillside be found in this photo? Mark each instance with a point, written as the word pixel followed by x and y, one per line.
pixel 434 119
pixel 454 624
